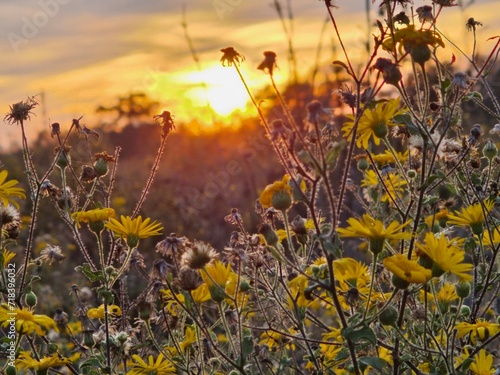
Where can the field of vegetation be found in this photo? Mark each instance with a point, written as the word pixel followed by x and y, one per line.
pixel 351 227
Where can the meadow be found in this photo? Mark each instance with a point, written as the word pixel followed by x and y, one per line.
pixel 351 227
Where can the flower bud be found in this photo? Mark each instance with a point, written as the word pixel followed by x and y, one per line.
pixel 420 53
pixel 411 173
pixel 399 283
pixel 463 289
pixel 389 316
pixel 101 167
pixel 362 164
pixel 490 150
pixel 465 310
pixel 10 370
pixel 31 299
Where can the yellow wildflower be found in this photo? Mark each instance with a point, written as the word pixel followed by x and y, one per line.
pixel 375 231
pixel 277 195
pixel 26 321
pixel 446 257
pixel 8 190
pixel 406 269
pixel 481 330
pixel 25 362
pixel 98 312
pixel 133 229
pixel 158 367
pixel 373 123
pixel 472 216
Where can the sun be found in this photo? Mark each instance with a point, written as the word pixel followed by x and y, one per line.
pixel 222 88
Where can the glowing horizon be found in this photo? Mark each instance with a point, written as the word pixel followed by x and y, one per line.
pixel 112 51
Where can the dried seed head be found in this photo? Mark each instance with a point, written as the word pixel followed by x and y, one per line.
pixel 298 225
pixel 9 217
pixel 425 14
pixel 231 56
pixel 189 279
pixel 88 174
pixel 51 254
pixel 60 317
pixel 269 62
pixel 172 246
pixel 161 269
pixel 279 131
pixel 198 256
pixel 21 111
pixel 55 129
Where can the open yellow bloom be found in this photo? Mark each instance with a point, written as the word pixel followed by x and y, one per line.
pixel 216 276
pixel 92 216
pixel 407 269
pixel 8 190
pixel 481 330
pixel 437 217
pixel 25 362
pixel 472 216
pixel 373 123
pixel 489 240
pixel 134 229
pixel 483 364
pixel 201 294
pixel 189 338
pixel 158 367
pixel 393 184
pixel 375 231
pixel 387 157
pixel 351 272
pixel 98 312
pixel 445 255
pixel 26 321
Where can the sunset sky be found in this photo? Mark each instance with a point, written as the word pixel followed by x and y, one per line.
pixel 84 53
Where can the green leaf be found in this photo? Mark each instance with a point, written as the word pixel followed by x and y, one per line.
pixel 375 362
pixel 91 362
pixel 93 276
pixel 406 119
pixel 333 154
pixel 445 84
pixel 358 334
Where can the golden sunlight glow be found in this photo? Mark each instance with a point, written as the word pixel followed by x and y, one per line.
pixel 224 90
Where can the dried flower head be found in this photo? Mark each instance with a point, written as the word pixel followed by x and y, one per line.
pixel 55 129
pixel 198 256
pixel 390 71
pixel 230 57
pixel 189 279
pixel 234 217
pixel 9 217
pixel 279 131
pixel 269 62
pixel 425 14
pixel 461 81
pixel 160 270
pixel 21 111
pixel 167 122
pixel 347 96
pixel 401 18
pixel 472 23
pixel 172 246
pixel 475 133
pixel 51 254
pixel 60 317
pixel 88 174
